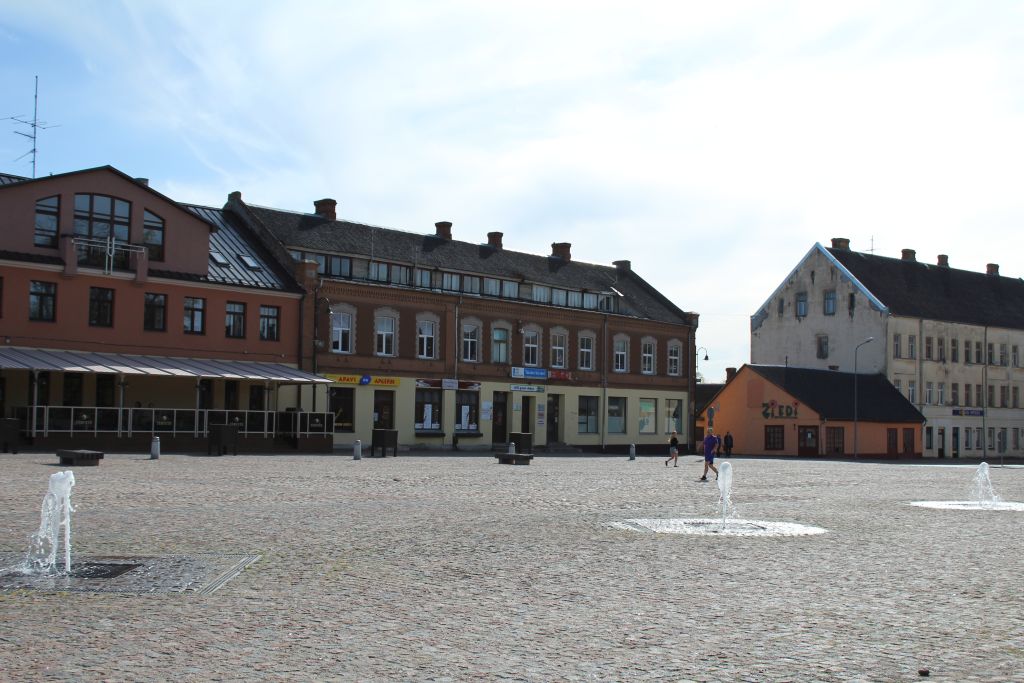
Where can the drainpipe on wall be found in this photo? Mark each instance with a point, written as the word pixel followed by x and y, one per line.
pixel 984 384
pixel 316 334
pixel 604 383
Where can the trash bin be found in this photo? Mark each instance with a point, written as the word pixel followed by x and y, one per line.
pixel 222 438
pixel 10 434
pixel 522 440
pixel 384 439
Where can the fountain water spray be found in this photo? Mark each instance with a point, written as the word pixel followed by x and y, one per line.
pixel 56 512
pixel 982 489
pixel 725 489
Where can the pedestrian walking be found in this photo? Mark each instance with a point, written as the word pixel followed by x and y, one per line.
pixel 728 444
pixel 711 442
pixel 673 451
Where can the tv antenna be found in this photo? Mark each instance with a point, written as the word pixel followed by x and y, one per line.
pixel 35 125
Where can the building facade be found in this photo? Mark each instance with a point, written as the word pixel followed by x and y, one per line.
pixel 459 344
pixel 124 315
pixel 948 339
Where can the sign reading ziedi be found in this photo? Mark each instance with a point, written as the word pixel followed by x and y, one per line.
pixel 779 411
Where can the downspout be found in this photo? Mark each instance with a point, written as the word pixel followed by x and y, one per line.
pixel 988 406
pixel 918 360
pixel 316 334
pixel 604 383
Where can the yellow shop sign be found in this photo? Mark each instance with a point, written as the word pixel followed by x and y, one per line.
pixel 370 380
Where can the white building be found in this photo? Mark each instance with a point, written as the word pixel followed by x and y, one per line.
pixel 948 339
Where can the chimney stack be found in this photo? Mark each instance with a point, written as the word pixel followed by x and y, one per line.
pixel 235 196
pixel 992 269
pixel 841 243
pixel 943 260
pixel 143 181
pixel 622 266
pixel 729 374
pixel 444 229
pixel 325 208
pixel 562 250
pixel 494 239
pixel 909 255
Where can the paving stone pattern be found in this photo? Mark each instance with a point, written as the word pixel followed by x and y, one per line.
pixel 432 568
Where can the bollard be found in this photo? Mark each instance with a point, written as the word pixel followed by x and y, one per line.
pixel 154 448
pixel 511 447
pixel 357 450
pixel 632 451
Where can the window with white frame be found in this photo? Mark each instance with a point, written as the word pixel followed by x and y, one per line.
pixel 620 354
pixel 510 289
pixel 542 294
pixel 531 347
pixel 492 286
pixel 647 347
pixel 500 336
pixel 378 271
pixel 574 299
pixel 558 297
pixel 586 352
pixel 558 342
pixel 927 393
pixel 471 284
pixel 471 341
pixel 941 398
pixel 426 337
pixel 911 346
pixel 341 330
pixel 451 282
pixel 895 346
pixel 898 385
pixel 912 391
pixel 384 326
pixel 1015 356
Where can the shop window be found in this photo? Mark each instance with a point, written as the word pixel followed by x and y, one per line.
pixel 588 415
pixel 648 409
pixel 342 403
pixel 467 405
pixel 834 440
pixel 616 415
pixel 774 437
pixel 673 416
pixel 428 409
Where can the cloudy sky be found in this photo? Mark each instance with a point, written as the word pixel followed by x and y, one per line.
pixel 711 143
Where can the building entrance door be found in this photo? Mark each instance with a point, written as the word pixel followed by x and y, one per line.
pixel 956 442
pixel 499 418
pixel 553 402
pixel 383 409
pixel 807 441
pixel 526 422
pixel 891 442
pixel 940 436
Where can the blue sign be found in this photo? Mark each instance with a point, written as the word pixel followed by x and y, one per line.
pixel 365 379
pixel 530 373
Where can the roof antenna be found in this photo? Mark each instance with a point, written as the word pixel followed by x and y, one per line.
pixel 872 249
pixel 35 124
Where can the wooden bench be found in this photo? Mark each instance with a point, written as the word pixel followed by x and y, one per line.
pixel 79 457
pixel 513 458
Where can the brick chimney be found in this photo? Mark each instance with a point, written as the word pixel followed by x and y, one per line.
pixel 730 373
pixel 909 255
pixel 494 239
pixel 943 260
pixel 992 269
pixel 623 266
pixel 325 208
pixel 444 229
pixel 143 181
pixel 235 196
pixel 841 243
pixel 562 250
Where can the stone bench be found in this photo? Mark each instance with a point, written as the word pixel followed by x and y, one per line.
pixel 513 458
pixel 79 457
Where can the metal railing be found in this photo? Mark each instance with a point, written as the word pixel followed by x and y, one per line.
pixel 171 421
pixel 106 253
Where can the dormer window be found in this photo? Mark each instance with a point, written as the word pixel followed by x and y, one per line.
pixel 47 214
pixel 250 262
pixel 219 258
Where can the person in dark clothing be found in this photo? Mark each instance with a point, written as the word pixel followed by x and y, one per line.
pixel 673 450
pixel 728 443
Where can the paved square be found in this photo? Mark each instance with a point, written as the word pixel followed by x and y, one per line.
pixel 457 569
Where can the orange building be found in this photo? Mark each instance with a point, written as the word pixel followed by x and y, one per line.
pixel 777 410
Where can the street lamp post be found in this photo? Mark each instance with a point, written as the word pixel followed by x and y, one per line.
pixel 855 350
pixel 693 393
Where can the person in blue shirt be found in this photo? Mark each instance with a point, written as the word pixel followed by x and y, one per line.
pixel 711 442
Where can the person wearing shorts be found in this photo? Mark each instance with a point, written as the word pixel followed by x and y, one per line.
pixel 710 444
pixel 673 450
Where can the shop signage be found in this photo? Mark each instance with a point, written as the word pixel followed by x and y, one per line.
pixel 529 373
pixel 462 385
pixel 370 380
pixel 528 388
pixel 773 410
pixel 969 412
pixel 560 374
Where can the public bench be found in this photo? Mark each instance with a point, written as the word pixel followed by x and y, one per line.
pixel 513 458
pixel 79 457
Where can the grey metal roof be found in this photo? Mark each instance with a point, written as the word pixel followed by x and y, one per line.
pixel 7 179
pixel 20 358
pixel 309 232
pixel 232 241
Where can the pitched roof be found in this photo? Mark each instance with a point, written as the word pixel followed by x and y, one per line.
pixel 310 232
pixel 922 290
pixel 7 179
pixel 830 393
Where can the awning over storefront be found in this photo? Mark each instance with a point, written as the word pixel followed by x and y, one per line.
pixel 15 358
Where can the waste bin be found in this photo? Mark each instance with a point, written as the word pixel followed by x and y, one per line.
pixel 10 434
pixel 222 438
pixel 522 440
pixel 384 439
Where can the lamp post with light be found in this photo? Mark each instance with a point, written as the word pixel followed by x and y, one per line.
pixel 855 350
pixel 693 395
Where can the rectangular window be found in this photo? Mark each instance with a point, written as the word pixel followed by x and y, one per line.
pixel 898 385
pixel 942 394
pixel 470 343
pixel 648 408
pixel 620 355
pixel 341 402
pixel 822 340
pixel 830 302
pixel 101 307
pixel 675 353
pixel 928 438
pixel 967 438
pixel 154 313
pixel 967 353
pixel 153 235
pixel 991 353
pixel 378 271
pixel 425 339
pixel 575 300
pixel 234 320
pixel 801 305
pixel 954 393
pixel 339 266
pixel 492 286
pixel 47 217
pixel 385 332
pixel 589 301
pixel 270 323
pixel 673 415
pixel 399 275
pixel 647 358
pixel 835 437
pixel 499 345
pixel 954 350
pixel 341 332
pixel 1015 356
pixel 451 282
pixel 991 438
pixel 509 289
pixel 978 439
pixel 896 346
pixel 978 357
pixel 928 393
pixel 531 347
pixel 774 437
pixel 912 346
pixel 781 307
pixel 927 348
pixel 979 397
pixel 991 396
pixel 1015 393
pixel 1004 358
pixel 195 315
pixel 100 217
pixel 558 297
pixel 912 391
pixel 586 356
pixel 42 301
pixel 558 342
pixel 941 346
pixel 421 278
pixel 467 406
pixel 616 415
pixel 428 409
pixel 471 284
pixel 1004 396
pixel 541 294
pixel 967 395
pixel 588 407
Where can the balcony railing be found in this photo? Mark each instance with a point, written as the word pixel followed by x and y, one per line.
pixel 106 253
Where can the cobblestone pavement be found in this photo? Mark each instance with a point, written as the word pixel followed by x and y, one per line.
pixel 457 569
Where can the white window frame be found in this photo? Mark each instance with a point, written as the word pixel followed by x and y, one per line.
pixel 531 347
pixel 674 364
pixel 648 352
pixel 426 338
pixel 585 357
pixel 342 321
pixel 559 342
pixel 385 328
pixel 620 354
pixel 470 338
